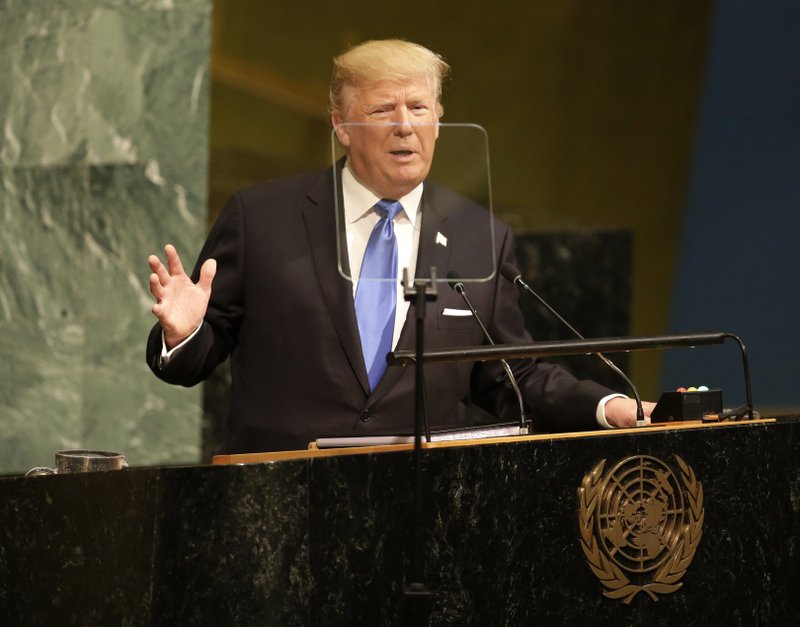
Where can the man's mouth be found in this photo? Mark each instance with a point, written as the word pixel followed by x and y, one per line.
pixel 401 153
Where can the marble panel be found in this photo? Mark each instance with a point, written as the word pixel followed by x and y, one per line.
pixel 501 543
pixel 104 539
pixel 327 541
pixel 75 307
pixel 43 85
pixel 363 567
pixel 232 537
pixel 99 83
pixel 42 333
pixel 103 160
pixel 125 407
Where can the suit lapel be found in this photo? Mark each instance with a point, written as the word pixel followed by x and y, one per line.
pixel 321 224
pixel 433 250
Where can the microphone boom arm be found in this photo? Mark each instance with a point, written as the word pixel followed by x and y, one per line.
pixel 523 425
pixel 577 347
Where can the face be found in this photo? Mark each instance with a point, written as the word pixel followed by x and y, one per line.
pixel 392 153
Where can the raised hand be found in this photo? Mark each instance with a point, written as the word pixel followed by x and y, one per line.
pixel 180 303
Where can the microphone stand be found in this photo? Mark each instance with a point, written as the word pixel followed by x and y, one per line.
pixel 461 291
pixel 508 271
pixel 417 594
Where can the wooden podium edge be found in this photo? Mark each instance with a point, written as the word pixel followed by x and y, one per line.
pixel 312 451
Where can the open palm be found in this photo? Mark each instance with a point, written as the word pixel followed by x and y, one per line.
pixel 180 303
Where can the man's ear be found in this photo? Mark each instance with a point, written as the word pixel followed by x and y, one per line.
pixel 341 129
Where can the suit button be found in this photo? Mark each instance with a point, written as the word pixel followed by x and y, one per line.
pixel 365 416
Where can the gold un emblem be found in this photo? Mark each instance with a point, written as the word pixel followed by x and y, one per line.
pixel 640 524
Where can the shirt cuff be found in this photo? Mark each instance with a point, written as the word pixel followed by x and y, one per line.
pixel 600 414
pixel 166 355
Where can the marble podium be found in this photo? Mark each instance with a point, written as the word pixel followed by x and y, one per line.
pixel 322 537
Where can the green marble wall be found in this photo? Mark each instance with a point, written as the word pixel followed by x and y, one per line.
pixel 103 159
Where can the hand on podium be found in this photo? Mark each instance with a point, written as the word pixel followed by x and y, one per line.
pixel 621 412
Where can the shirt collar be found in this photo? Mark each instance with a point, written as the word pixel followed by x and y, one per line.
pixel 359 200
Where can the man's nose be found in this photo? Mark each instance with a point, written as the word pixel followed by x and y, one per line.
pixel 402 122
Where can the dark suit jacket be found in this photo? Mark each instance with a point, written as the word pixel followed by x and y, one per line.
pixel 285 315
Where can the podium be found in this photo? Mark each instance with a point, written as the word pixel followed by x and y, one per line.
pixel 519 531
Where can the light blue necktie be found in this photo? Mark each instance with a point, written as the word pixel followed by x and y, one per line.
pixel 376 294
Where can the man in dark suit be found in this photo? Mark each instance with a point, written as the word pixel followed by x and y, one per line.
pixel 307 345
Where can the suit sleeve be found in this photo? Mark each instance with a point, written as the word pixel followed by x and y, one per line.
pixel 218 334
pixel 554 398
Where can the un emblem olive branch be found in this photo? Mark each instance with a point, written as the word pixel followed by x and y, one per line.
pixel 680 545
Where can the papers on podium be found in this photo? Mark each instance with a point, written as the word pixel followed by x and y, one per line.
pixel 488 431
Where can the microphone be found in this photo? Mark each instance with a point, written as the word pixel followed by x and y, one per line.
pixel 513 275
pixel 459 288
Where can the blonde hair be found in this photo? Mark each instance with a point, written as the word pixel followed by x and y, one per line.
pixel 383 59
